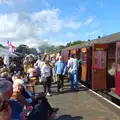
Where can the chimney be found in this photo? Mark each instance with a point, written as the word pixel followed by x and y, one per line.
pixel 98 36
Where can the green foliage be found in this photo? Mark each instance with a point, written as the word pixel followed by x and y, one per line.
pixel 60 47
pixel 44 48
pixel 50 48
pixel 24 49
pixel 74 43
pixel 68 44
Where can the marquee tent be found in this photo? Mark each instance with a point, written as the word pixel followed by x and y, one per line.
pixel 6 52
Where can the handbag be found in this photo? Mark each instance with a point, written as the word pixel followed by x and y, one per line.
pixel 42 79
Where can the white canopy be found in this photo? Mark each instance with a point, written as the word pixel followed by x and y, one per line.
pixel 6 52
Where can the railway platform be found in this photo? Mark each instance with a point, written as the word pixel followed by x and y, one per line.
pixel 79 105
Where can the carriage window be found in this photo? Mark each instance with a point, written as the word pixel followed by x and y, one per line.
pixel 96 58
pixel 103 59
pixel 118 58
pixel 84 57
pixel 100 59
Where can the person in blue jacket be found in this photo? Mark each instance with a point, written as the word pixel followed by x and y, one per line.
pixel 60 68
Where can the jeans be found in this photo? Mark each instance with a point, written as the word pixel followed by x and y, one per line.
pixel 74 79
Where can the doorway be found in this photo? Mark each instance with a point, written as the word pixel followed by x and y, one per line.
pixel 110 66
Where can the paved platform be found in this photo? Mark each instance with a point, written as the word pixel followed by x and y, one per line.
pixel 79 105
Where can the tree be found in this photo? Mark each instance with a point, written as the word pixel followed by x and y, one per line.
pixel 60 47
pixel 68 44
pixel 24 49
pixel 50 48
pixel 74 43
pixel 33 51
pixel 46 48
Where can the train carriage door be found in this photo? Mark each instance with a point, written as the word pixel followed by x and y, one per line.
pixel 99 70
pixel 117 77
pixel 84 64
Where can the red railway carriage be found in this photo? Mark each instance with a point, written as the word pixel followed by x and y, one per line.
pixel 98 57
pixel 83 54
pixel 65 55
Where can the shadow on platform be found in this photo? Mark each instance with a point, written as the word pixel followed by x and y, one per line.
pixel 69 91
pixel 69 117
pixel 55 86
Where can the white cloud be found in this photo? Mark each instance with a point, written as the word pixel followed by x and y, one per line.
pixel 48 20
pixel 89 20
pixel 89 34
pixel 73 24
pixel 28 28
pixel 34 29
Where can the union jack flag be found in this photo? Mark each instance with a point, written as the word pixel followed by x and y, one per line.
pixel 11 47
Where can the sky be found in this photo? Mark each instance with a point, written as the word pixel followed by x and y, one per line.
pixel 55 22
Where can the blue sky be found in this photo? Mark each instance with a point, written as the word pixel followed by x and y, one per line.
pixel 57 21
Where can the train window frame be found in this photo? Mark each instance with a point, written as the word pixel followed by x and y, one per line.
pixel 84 56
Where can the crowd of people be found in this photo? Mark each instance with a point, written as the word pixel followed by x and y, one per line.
pixel 18 78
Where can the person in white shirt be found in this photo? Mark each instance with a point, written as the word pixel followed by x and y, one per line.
pixel 73 71
pixel 45 71
pixel 38 62
pixel 7 60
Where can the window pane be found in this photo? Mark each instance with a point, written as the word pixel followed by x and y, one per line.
pixel 84 56
pixel 103 59
pixel 100 59
pixel 96 59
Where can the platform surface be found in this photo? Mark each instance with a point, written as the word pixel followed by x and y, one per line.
pixel 78 105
